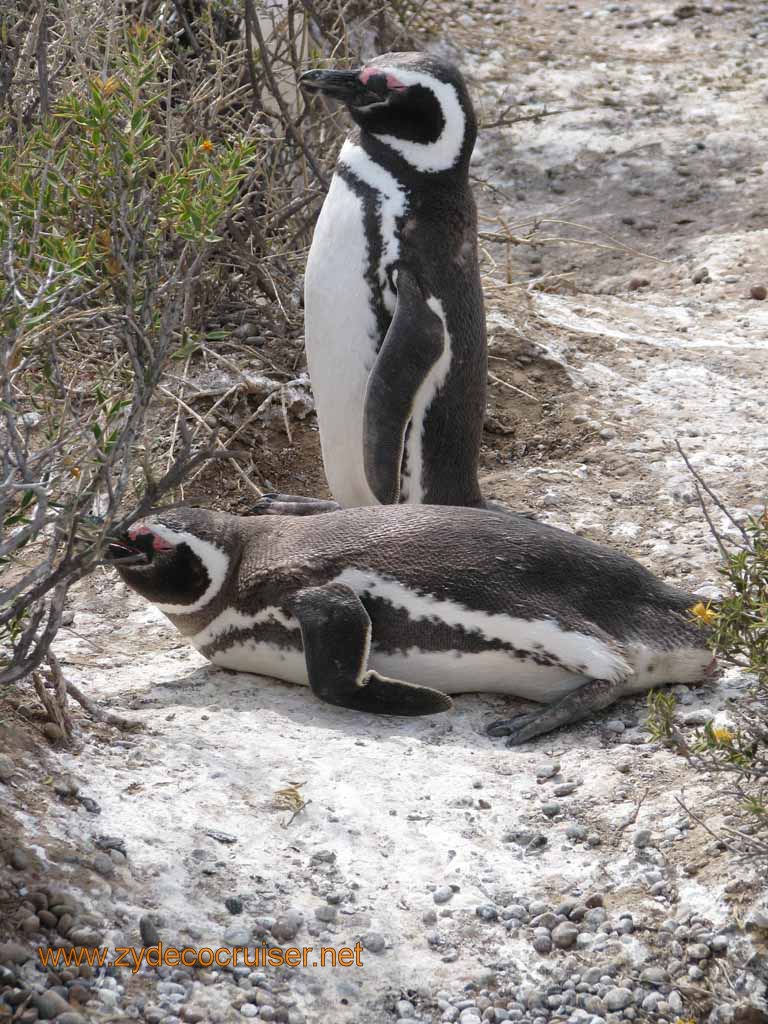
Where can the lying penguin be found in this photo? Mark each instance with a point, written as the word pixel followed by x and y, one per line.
pixel 389 609
pixel 394 319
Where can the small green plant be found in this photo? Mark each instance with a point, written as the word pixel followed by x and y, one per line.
pixel 736 754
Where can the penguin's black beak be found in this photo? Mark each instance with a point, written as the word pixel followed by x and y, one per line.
pixel 127 551
pixel 346 86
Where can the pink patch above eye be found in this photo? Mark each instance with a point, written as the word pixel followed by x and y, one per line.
pixel 392 83
pixel 158 544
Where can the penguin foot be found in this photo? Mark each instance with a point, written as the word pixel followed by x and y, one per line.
pixel 276 504
pixel 519 729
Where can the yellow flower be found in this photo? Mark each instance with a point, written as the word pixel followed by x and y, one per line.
pixel 685 1020
pixel 207 146
pixel 109 86
pixel 704 612
pixel 722 735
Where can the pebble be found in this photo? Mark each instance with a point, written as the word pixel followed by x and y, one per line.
pixel 614 725
pixel 404 1009
pixel 487 912
pixel 564 935
pixel 699 951
pixel 566 788
pixel 287 926
pixel 103 864
pixel 249 1010
pixel 643 837
pixel 700 276
pixel 20 859
pixel 6 768
pixel 550 810
pixel 442 894
pixel 577 832
pixel 50 1004
pixel 150 936
pixel 542 943
pixel 618 998
pixel 374 942
pixel 758 291
pixel 547 770
pixel 238 935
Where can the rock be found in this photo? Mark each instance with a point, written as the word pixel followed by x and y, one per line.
pixel 85 937
pixel 404 1009
pixel 564 935
pixel 618 999
pixel 103 864
pixel 150 936
pixel 685 11
pixel 327 914
pixel 249 1010
pixel 238 935
pixel 643 837
pixel 614 725
pixel 287 926
pixel 234 904
pixel 542 943
pixel 576 832
pixel 566 788
pixel 70 1017
pixel 14 953
pixel 50 1004
pixel 699 951
pixel 758 291
pixel 52 731
pixel 374 942
pixel 443 894
pixel 700 276
pixel 654 976
pixel 547 770
pixel 20 859
pixel 487 912
pixel 550 810
pixel 6 768
pixel 638 281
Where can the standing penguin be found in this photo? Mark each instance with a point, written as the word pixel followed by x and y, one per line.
pixel 395 326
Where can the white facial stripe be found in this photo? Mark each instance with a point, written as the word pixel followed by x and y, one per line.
pixel 393 204
pixel 586 655
pixel 231 619
pixel 412 484
pixel 215 560
pixel 444 153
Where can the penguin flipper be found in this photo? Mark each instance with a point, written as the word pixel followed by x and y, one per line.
pixel 336 633
pixel 411 347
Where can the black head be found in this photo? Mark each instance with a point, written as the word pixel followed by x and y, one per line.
pixel 414 103
pixel 178 560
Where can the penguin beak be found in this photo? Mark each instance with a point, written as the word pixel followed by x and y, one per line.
pixel 346 86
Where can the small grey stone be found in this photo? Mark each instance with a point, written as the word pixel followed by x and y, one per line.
pixel 542 943
pixel 700 276
pixel 287 926
pixel 719 943
pixel 103 864
pixel 487 912
pixel 87 937
pixel 551 810
pixel 618 998
pixel 71 1018
pixel 442 894
pixel 566 788
pixel 643 838
pixel 249 1010
pixel 49 1004
pixel 564 935
pixel 6 768
pixel 698 951
pixel 547 920
pixel 614 725
pixel 237 935
pixel 404 1009
pixel 374 942
pixel 150 936
pixel 577 832
pixel 654 976
pixel 326 914
pixel 547 769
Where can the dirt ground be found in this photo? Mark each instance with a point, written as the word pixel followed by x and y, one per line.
pixel 620 321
